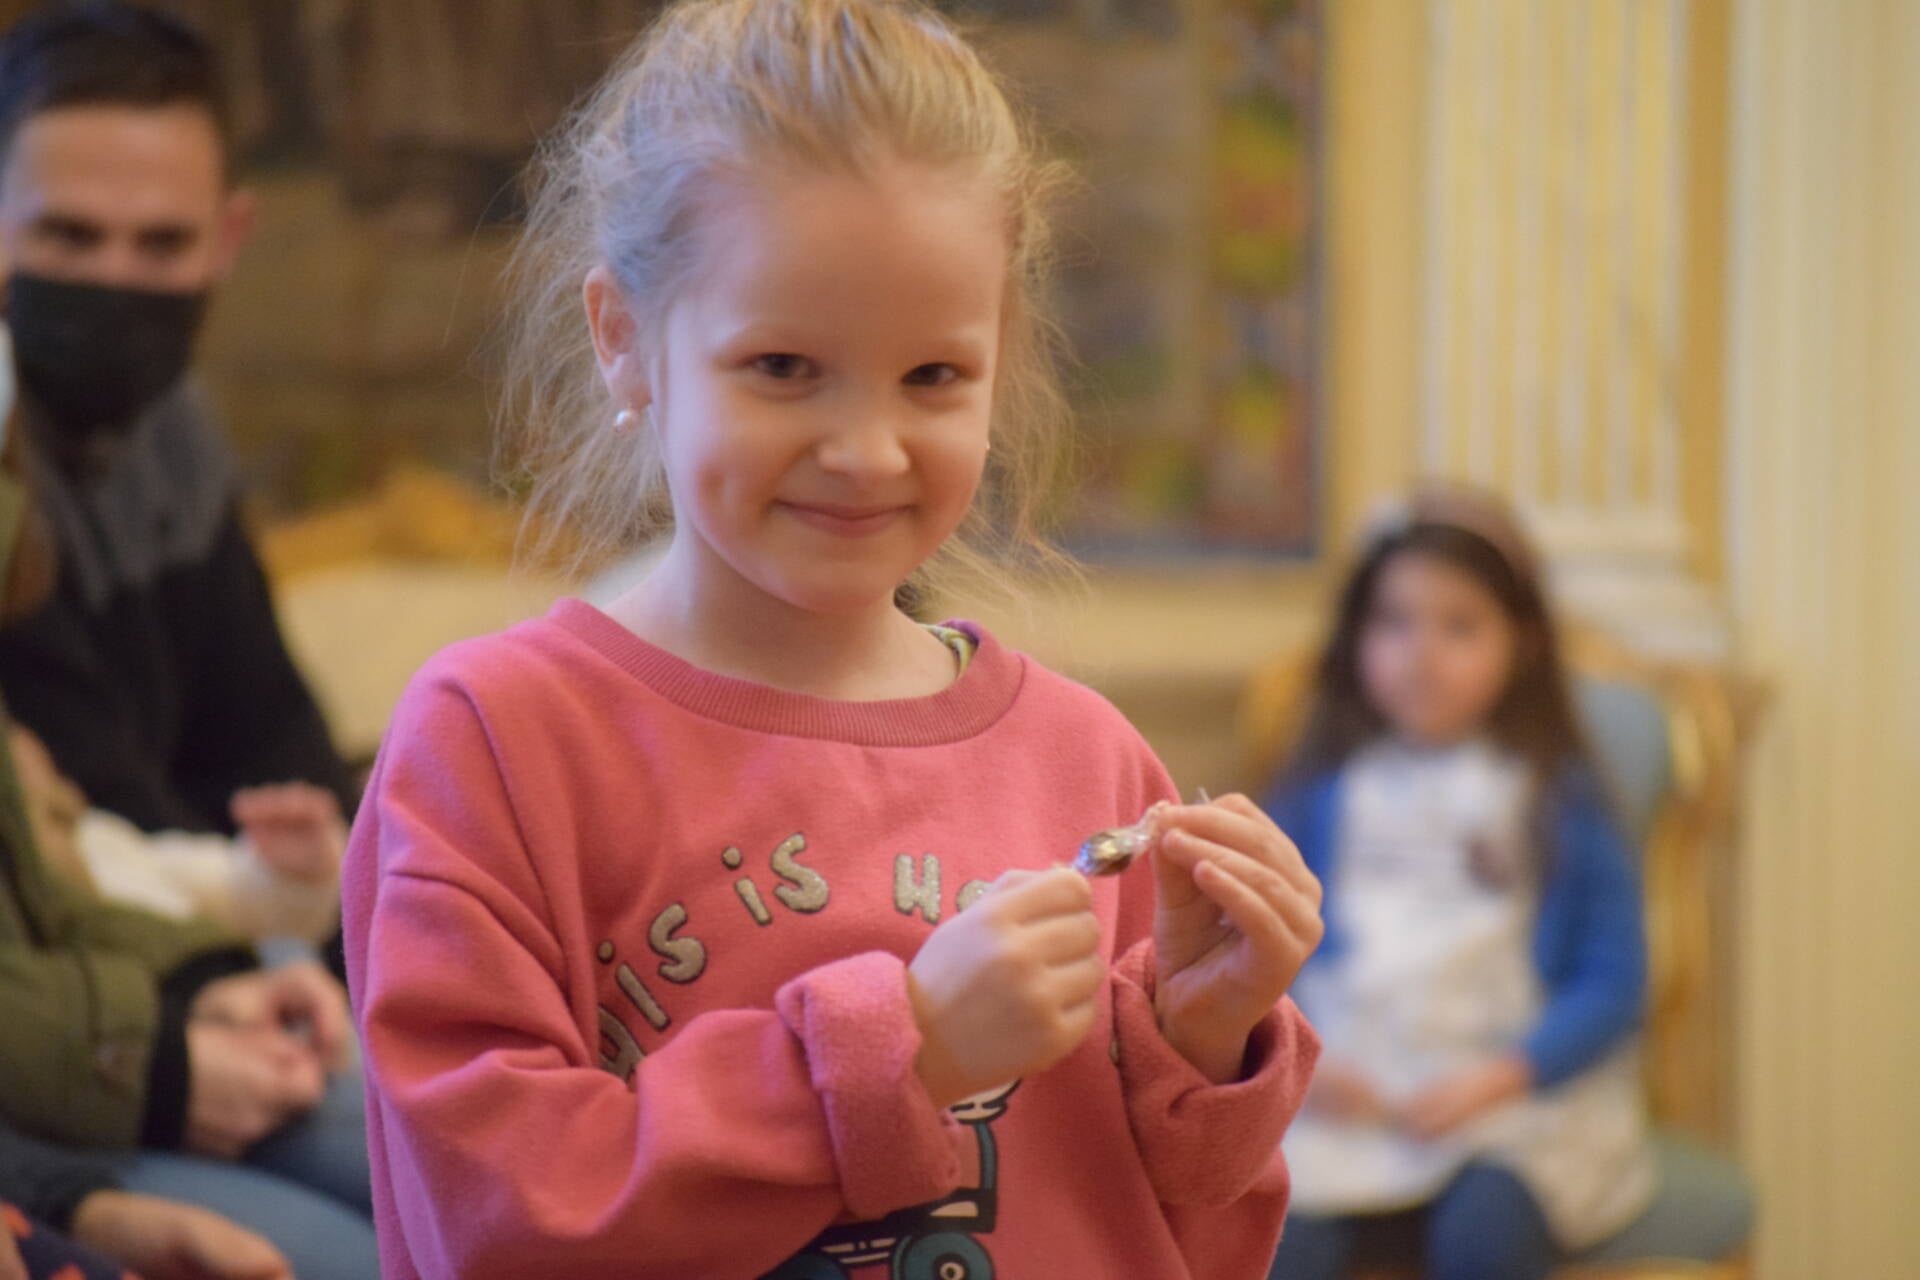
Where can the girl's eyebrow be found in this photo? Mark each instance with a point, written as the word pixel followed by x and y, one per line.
pixel 766 337
pixel 760 334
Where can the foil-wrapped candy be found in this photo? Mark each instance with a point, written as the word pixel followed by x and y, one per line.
pixel 1109 852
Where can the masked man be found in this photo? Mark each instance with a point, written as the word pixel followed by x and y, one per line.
pixel 156 675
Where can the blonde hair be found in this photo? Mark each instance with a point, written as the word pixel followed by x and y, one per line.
pixel 718 88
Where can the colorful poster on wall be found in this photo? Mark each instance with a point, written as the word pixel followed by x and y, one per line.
pixel 1191 290
pixel 383 137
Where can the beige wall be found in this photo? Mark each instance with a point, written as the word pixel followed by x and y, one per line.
pixel 1824 487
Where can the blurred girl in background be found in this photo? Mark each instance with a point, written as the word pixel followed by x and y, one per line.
pixel 1484 970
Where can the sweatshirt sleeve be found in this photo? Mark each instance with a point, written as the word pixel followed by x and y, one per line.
pixel 1206 1143
pixel 1212 1152
pixel 510 1151
pixel 1203 1144
pixel 1602 997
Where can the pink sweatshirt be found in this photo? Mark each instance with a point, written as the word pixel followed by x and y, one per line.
pixel 627 943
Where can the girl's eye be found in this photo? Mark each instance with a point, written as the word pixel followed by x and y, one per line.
pixel 1391 621
pixel 932 375
pixel 784 366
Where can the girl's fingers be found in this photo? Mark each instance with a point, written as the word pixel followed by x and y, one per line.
pixel 1007 881
pixel 1428 1119
pixel 1238 823
pixel 1299 914
pixel 1064 940
pixel 1276 847
pixel 1040 894
pixel 1191 850
pixel 1245 908
pixel 1077 983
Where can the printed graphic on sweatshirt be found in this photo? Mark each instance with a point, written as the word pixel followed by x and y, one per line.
pixel 936 1241
pixel 939 1240
pixel 795 890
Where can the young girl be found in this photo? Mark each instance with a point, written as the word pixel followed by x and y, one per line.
pixel 1484 969
pixel 724 933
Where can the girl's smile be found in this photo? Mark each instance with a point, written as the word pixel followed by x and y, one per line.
pixel 845 521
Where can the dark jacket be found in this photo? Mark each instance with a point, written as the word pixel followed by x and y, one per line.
pixel 156 673
pixel 93 997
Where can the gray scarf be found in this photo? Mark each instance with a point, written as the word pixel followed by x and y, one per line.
pixel 156 501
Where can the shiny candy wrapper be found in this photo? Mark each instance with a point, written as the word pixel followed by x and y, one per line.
pixel 1109 852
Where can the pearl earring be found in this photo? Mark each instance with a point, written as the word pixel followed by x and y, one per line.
pixel 623 421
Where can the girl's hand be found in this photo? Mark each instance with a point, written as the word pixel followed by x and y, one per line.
pixel 1341 1093
pixel 1238 914
pixel 1440 1109
pixel 1008 987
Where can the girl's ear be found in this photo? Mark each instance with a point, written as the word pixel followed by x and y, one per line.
pixel 616 339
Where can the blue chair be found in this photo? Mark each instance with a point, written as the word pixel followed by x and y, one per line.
pixel 1666 737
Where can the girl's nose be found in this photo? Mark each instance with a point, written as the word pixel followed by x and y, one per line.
pixel 868 447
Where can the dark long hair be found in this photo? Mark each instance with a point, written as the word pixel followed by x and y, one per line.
pixel 1534 718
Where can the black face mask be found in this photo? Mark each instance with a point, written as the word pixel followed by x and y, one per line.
pixel 94 357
